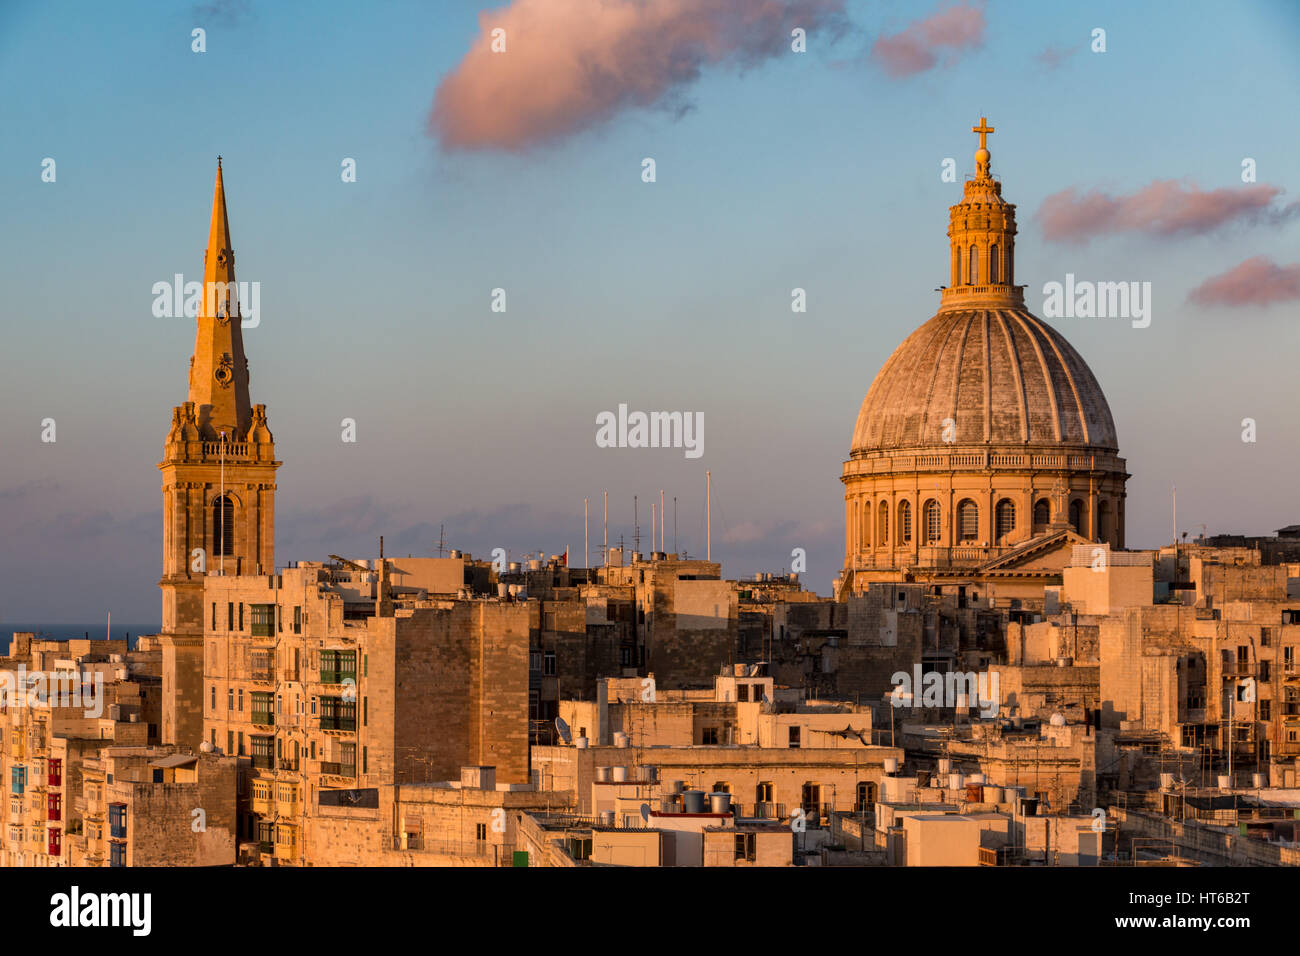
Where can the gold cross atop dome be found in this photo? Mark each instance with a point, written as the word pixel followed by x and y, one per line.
pixel 982 155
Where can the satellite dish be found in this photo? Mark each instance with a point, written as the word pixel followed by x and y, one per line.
pixel 562 729
pixel 645 812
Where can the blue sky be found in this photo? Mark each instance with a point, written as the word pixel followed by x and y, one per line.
pixel 817 171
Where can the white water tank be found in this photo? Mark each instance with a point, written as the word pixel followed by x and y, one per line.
pixel 618 774
pixel 944 765
pixel 720 802
pixel 602 775
pixel 976 778
pixel 1257 781
pixel 1225 782
pixel 607 818
pixel 620 739
pixel 580 743
pixel 1058 720
pixel 994 794
pixel 891 765
pixel 956 781
pixel 1166 781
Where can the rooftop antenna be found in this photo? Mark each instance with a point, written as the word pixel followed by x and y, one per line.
pixel 662 519
pixel 652 527
pixel 586 556
pixel 442 540
pixel 675 524
pixel 604 547
pixel 708 506
pixel 636 527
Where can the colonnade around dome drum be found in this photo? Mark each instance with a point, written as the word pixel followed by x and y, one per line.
pixel 920 511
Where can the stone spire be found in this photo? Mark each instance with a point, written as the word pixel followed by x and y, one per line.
pixel 981 235
pixel 218 369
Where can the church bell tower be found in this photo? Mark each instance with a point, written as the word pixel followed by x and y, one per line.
pixel 218 483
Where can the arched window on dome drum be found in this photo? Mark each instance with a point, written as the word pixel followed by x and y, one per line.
pixel 1076 516
pixel 1103 520
pixel 974 264
pixel 932 523
pixel 968 520
pixel 956 265
pixel 882 525
pixel 866 528
pixel 905 521
pixel 993 263
pixel 1005 515
pixel 223 526
pixel 1042 514
pixel 1010 270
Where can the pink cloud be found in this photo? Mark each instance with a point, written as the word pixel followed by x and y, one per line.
pixel 1257 281
pixel 570 65
pixel 1164 208
pixel 918 47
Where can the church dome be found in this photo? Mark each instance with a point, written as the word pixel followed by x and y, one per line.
pixel 984 377
pixel 985 441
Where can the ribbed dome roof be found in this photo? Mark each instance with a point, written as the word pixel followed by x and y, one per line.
pixel 1004 376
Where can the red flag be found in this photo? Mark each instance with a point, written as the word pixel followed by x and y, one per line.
pixel 565 559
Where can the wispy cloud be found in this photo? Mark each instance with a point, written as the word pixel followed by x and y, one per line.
pixel 1165 208
pixel 1053 56
pixel 224 12
pixel 570 65
pixel 937 39
pixel 1257 281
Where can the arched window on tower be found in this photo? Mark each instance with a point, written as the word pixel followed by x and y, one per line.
pixel 223 526
pixel 1010 270
pixel 932 522
pixel 1005 515
pixel 1103 520
pixel 993 263
pixel 974 264
pixel 882 525
pixel 866 527
pixel 1076 516
pixel 956 265
pixel 1042 515
pixel 968 520
pixel 905 522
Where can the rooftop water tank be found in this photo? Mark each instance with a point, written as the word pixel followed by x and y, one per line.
pixel 891 765
pixel 1058 720
pixel 618 774
pixel 607 818
pixel 1225 782
pixel 1257 781
pixel 693 801
pixel 1166 781
pixel 944 765
pixel 602 775
pixel 720 802
pixel 620 739
pixel 580 742
pixel 956 781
